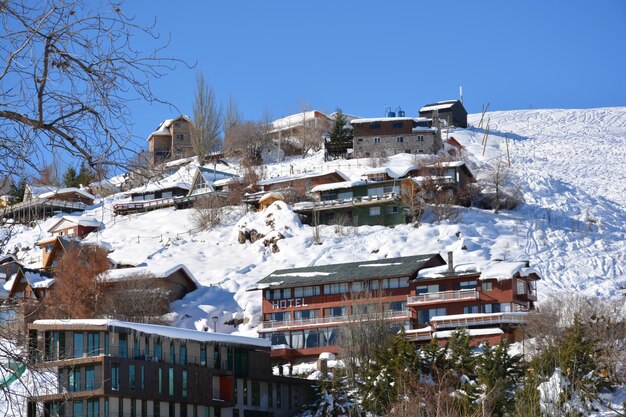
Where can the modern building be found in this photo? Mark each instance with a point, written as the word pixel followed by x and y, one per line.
pixel 386 136
pixel 171 140
pixel 305 309
pixel 113 368
pixel 452 111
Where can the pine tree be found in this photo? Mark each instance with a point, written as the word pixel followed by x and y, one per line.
pixel 70 178
pixel 85 176
pixel 17 191
pixel 341 133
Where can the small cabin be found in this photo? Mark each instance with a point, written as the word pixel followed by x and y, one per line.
pixel 74 226
pixel 451 111
pixel 29 284
pixel 53 248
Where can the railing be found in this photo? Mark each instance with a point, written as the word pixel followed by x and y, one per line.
pixel 320 205
pixel 387 315
pixel 158 203
pixel 443 296
pixel 48 202
pixel 466 320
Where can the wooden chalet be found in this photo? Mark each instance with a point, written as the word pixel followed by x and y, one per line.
pixel 28 285
pixel 171 140
pixel 176 281
pixel 52 249
pixel 450 110
pixel 75 226
pixel 303 308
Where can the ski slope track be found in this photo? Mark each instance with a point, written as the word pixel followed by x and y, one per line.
pixel 568 163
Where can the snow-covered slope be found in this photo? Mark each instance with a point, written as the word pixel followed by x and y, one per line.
pixel 572 227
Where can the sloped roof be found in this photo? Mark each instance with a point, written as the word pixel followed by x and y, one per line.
pixel 393 171
pixel 382 119
pixel 165 125
pixel 440 105
pixel 275 180
pixel 346 272
pixel 144 271
pixel 75 221
pixel 296 119
pixel 57 191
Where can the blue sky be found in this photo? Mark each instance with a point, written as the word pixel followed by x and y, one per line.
pixel 365 55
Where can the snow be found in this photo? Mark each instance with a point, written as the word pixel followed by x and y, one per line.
pixel 303 274
pixel 383 119
pixel 337 186
pixel 77 220
pixel 275 180
pixel 387 264
pixel 441 105
pixel 472 332
pixel 142 272
pixel 165 331
pixel 163 128
pixel 392 171
pixel 296 120
pixel 502 270
pixel 57 191
pixel 442 271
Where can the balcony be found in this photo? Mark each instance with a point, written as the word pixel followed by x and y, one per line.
pixel 273 325
pixel 479 319
pixel 443 297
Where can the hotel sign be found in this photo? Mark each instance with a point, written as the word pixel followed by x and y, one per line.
pixel 288 303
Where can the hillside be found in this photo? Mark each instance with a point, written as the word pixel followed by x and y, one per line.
pixel 571 227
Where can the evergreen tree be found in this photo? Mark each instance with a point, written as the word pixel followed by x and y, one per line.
pixel 85 176
pixel 341 133
pixel 17 191
pixel 334 399
pixel 70 178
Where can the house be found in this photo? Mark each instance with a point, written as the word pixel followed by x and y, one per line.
pixel 288 132
pixel 53 249
pixel 52 192
pixel 41 202
pixel 457 172
pixel 108 367
pixel 75 226
pixel 375 137
pixel 28 285
pixel 204 180
pixel 452 111
pixel 171 140
pixel 356 203
pixel 269 198
pixel 175 281
pixel 304 309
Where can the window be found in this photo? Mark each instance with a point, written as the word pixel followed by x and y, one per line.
pixel 279 396
pixel 395 283
pixel 177 124
pixel 90 378
pixel 467 285
pixel 278 294
pixel 400 139
pixel 426 315
pixel 470 309
pixel 49 247
pixel 78 345
pixel 340 288
pixel 397 306
pixel 120 407
pixel 392 209
pixel 505 307
pixel 270 395
pixel 306 291
pixel 305 314
pixel 184 383
pixel 180 137
pixel 160 381
pixel 131 377
pixel 359 140
pixel 375 125
pixel 423 289
pixel 78 408
pixel 158 350
pixel 93 408
pixel 172 353
pixel 398 125
pixel 93 344
pixel 420 138
pixel 374 211
pixel 183 410
pixel 487 286
pixel 521 286
pixel 133 407
pixel 183 355
pixel 171 381
pixel 115 377
pixel 376 140
pixel 144 408
pixel 136 350
pixel 336 312
pixel 156 409
pixel 123 345
pixel 358 286
pixel 106 407
pixel 172 407
pixel 203 355
pixel 142 376
pixel 75 380
pixel 245 392
pixel 280 338
pixel 256 394
pixel 281 316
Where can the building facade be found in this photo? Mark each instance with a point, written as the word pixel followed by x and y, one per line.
pixel 113 368
pixel 306 309
pixel 171 140
pixel 385 136
pixel 452 111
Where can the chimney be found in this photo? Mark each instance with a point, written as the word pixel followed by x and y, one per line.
pixel 450 263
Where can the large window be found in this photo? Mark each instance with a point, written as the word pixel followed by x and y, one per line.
pixel 90 378
pixel 115 377
pixel 93 344
pixel 397 306
pixel 136 348
pixel 93 408
pixel 340 288
pixel 305 314
pixel 363 286
pixel 183 355
pixel 131 377
pixel 487 286
pixel 306 291
pixel 423 289
pixel 123 345
pixel 470 309
pixel 395 283
pixel 521 286
pixel 75 380
pixel 278 294
pixel 280 316
pixel 158 350
pixel 203 355
pixel 375 211
pixel 280 338
pixel 426 315
pixel 79 346
pixel 467 285
pixel 256 394
pixel 171 381
pixel 336 312
pixel 78 408
pixel 184 383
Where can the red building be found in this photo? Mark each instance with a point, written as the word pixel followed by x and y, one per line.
pixel 305 309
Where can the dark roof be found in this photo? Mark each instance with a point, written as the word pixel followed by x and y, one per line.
pixel 406 266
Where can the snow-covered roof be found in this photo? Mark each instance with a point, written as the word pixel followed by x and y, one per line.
pixel 38 280
pixel 8 257
pixel 423 129
pixel 57 191
pixel 211 176
pixel 144 271
pixel 505 270
pixel 163 128
pixel 392 171
pixel 383 119
pixel 75 221
pixel 296 119
pixel 182 178
pixel 442 271
pixel 165 331
pixel 440 105
pixel 275 180
pixel 226 181
pixel 445 334
pixel 337 186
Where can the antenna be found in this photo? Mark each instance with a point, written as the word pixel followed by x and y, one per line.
pixel 461 92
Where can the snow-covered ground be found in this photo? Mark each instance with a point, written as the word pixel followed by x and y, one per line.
pixel 571 228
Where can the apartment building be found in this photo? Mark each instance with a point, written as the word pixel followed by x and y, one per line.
pixel 171 140
pixel 114 368
pixel 305 309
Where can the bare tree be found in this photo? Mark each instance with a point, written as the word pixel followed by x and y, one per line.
pixel 207 211
pixel 207 120
pixel 498 190
pixel 136 299
pixel 309 133
pixel 69 71
pixel 232 119
pixel 413 200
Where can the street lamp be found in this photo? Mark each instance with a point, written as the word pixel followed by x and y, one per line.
pixel 214 318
